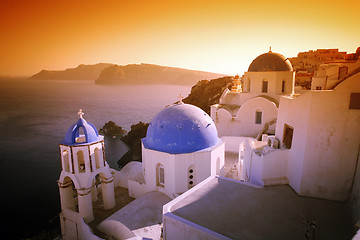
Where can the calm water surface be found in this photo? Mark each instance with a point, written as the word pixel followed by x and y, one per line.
pixel 34 117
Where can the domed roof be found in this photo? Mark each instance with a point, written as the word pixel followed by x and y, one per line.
pixel 73 136
pixel 181 128
pixel 270 62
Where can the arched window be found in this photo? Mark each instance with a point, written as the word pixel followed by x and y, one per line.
pixel 191 176
pixel 98 162
pixel 66 161
pixel 81 161
pixel 81 138
pixel 258 116
pixel 160 175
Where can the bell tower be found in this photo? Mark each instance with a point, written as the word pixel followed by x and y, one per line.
pixel 84 172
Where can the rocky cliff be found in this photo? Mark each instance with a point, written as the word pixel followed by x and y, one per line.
pixel 133 140
pixel 206 93
pixel 152 74
pixel 82 72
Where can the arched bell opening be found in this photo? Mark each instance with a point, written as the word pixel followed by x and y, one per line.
pixel 69 195
pixel 66 160
pixel 105 187
pixel 98 158
pixel 81 161
pixel 81 138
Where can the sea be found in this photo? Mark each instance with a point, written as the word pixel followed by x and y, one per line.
pixel 34 117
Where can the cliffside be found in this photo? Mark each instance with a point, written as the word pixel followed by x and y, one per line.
pixel 206 93
pixel 82 72
pixel 152 74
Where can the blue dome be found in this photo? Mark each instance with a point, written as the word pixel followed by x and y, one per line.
pixel 181 128
pixel 72 135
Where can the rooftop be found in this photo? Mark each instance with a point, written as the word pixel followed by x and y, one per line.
pixel 270 62
pixel 142 217
pixel 240 211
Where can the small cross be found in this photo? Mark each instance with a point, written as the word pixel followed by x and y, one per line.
pixel 181 98
pixel 80 113
pixel 270 49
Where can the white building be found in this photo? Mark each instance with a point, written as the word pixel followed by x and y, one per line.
pixel 330 74
pixel 181 149
pixel 310 144
pixel 254 110
pixel 319 135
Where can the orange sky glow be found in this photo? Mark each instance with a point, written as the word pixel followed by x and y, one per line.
pixel 216 36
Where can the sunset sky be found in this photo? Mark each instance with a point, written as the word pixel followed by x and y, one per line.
pixel 218 36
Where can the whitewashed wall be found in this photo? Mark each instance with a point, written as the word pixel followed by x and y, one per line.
pixel 325 143
pixel 176 168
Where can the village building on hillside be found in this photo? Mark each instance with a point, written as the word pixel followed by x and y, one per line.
pixel 270 162
pixel 307 64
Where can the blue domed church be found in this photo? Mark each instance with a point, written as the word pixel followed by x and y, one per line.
pixel 83 167
pixel 181 149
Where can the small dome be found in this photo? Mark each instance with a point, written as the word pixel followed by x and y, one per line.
pixel 81 132
pixel 270 62
pixel 181 128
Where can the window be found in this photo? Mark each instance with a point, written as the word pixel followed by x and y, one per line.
pixel 258 117
pixel 283 86
pixel 97 158
pixel 160 175
pixel 288 136
pixel 354 101
pixel 191 176
pixel 342 72
pixel 318 88
pixel 81 161
pixel 66 161
pixel 264 87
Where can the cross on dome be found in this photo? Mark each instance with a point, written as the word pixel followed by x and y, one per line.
pixel 270 49
pixel 81 113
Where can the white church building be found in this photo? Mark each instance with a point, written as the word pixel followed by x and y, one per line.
pixel 284 141
pixel 181 149
pixel 247 112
